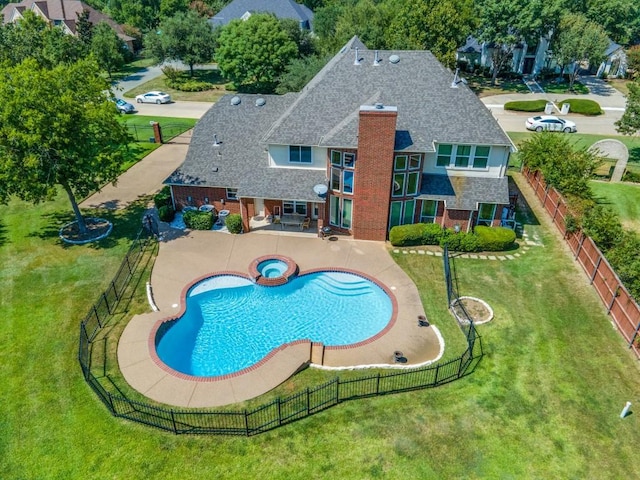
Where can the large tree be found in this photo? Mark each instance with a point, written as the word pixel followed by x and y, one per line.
pixel 629 123
pixel 186 37
pixel 579 42
pixel 438 26
pixel 57 128
pixel 107 48
pixel 253 53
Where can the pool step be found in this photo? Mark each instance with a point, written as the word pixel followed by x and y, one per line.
pixel 339 287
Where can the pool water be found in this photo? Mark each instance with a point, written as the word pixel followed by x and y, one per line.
pixel 272 268
pixel 231 323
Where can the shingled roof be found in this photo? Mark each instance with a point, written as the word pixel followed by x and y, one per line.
pixel 325 114
pixel 280 8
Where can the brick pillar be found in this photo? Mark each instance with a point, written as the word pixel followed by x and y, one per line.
pixel 244 212
pixel 374 172
pixel 157 132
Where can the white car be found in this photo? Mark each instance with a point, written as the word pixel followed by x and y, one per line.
pixel 550 123
pixel 153 97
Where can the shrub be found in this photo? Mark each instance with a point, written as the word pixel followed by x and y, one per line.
pixel 163 197
pixel 582 106
pixel 431 234
pixel 406 235
pixel 526 106
pixel 495 239
pixel 603 225
pixel 194 86
pixel 460 242
pixel 630 176
pixel 166 213
pixel 234 223
pixel 197 220
pixel 624 259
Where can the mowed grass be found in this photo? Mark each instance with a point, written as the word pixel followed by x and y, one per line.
pixel 543 403
pixel 623 198
pixel 159 83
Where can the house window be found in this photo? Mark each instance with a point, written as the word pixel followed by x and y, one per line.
pixel 463 152
pixel 294 207
pixel 429 211
pixel 398 185
pixel 486 213
pixel 298 154
pixel 409 210
pixel 444 155
pixel 395 214
pixel 336 158
pixel 412 183
pixel 347 205
pixel 481 157
pixel 232 193
pixel 340 211
pixel 414 162
pixel 335 179
pixel 400 163
pixel 347 181
pixel 349 160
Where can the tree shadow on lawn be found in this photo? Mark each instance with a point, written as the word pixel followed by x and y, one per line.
pixel 524 213
pixel 3 234
pixel 126 224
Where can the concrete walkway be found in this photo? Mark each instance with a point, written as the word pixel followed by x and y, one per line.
pixel 144 178
pixel 183 259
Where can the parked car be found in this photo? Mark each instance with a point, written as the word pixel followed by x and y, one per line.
pixel 551 124
pixel 124 107
pixel 153 97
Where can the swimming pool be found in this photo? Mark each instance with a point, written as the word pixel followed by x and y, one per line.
pixel 231 323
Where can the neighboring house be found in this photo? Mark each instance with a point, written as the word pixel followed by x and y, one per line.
pixel 391 136
pixel 62 13
pixel 280 8
pixel 526 59
pixel 615 62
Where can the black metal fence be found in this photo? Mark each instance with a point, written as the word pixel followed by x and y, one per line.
pixel 280 411
pixel 144 133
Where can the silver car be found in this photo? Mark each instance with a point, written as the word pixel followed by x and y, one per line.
pixel 550 123
pixel 153 97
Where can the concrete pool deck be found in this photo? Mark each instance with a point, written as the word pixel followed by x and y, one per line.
pixel 184 258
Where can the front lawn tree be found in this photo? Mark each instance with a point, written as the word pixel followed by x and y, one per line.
pixel 629 123
pixel 57 128
pixel 107 48
pixel 253 53
pixel 186 37
pixel 579 42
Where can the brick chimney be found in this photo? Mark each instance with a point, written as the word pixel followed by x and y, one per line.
pixel 374 171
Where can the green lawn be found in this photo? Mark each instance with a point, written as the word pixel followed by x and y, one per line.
pixel 159 83
pixel 543 403
pixel 624 198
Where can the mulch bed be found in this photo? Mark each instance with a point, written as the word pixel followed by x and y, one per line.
pixel 96 227
pixel 475 309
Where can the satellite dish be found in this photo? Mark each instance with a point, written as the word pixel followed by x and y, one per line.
pixel 320 189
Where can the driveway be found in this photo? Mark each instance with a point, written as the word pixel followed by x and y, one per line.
pixel 613 104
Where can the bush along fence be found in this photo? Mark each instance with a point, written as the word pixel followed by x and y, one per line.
pixel 622 307
pixel 281 411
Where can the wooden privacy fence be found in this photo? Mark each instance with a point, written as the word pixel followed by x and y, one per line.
pixel 619 303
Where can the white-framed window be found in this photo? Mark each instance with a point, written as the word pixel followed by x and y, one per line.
pixel 414 161
pixel 232 193
pixel 336 158
pixel 340 211
pixel 347 181
pixel 413 179
pixel 289 207
pixel 336 176
pixel 486 214
pixel 428 211
pixel 401 213
pixel 444 155
pixel 299 154
pixel 349 160
pixel 400 162
pixel 481 156
pixel 409 212
pixel 399 180
pixel 463 154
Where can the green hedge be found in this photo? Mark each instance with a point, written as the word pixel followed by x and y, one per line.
pixel 432 234
pixel 234 223
pixel 582 106
pixel 162 198
pixel 460 242
pixel 166 213
pixel 197 220
pixel 526 106
pixel 495 239
pixel 415 234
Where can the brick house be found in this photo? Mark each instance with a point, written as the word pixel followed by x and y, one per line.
pixel 63 14
pixel 375 139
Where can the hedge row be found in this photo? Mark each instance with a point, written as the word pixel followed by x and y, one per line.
pixel 198 220
pixel 576 105
pixel 483 239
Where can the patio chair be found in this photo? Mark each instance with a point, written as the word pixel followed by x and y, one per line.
pixel 276 219
pixel 305 223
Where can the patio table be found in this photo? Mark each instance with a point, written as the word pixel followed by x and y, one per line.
pixel 291 220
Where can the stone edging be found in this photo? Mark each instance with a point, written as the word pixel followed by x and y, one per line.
pixel 479 300
pixel 82 242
